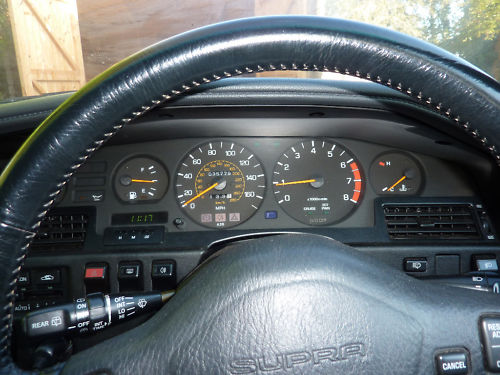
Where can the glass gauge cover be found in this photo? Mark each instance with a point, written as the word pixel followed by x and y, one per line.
pixel 396 173
pixel 140 179
pixel 220 184
pixel 317 182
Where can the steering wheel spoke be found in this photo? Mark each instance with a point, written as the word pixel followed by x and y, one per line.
pixel 299 304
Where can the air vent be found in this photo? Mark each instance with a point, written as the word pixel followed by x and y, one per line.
pixel 431 222
pixel 59 232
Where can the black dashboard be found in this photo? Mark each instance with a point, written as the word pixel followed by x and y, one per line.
pixel 103 182
pixel 346 160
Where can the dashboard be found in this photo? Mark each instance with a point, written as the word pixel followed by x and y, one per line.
pixel 351 161
pixel 255 183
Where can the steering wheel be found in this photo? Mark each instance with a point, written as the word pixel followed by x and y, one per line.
pixel 287 304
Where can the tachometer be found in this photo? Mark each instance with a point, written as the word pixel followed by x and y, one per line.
pixel 220 184
pixel 317 182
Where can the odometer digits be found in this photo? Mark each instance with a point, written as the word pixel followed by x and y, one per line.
pixel 317 182
pixel 220 184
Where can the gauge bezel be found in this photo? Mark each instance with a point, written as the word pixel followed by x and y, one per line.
pixel 409 156
pixel 126 159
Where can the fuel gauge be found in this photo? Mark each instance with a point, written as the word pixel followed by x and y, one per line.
pixel 396 173
pixel 140 179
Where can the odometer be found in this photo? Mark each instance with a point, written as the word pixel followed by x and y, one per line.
pixel 220 184
pixel 317 182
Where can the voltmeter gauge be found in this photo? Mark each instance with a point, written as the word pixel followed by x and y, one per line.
pixel 140 179
pixel 396 173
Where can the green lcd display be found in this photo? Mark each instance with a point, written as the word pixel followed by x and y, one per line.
pixel 139 218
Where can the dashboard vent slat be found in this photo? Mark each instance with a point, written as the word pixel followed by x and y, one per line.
pixel 58 232
pixel 431 222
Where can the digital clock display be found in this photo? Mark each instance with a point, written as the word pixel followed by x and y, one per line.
pixel 139 218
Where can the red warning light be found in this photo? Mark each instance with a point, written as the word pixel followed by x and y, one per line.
pixel 381 163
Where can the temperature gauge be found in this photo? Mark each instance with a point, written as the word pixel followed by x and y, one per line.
pixel 396 173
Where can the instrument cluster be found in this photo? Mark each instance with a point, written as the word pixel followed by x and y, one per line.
pixel 222 183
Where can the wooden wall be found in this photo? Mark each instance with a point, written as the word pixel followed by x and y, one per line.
pixel 61 44
pixel 47 43
pixel 114 29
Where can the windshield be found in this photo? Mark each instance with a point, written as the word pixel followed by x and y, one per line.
pixel 58 45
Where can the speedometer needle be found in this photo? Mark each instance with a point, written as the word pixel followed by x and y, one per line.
pixel 200 194
pixel 296 182
pixel 395 184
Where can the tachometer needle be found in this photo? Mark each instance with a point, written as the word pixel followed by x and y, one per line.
pixel 296 182
pixel 147 181
pixel 395 184
pixel 200 194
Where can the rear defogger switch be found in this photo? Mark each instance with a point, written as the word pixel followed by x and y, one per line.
pixel 490 332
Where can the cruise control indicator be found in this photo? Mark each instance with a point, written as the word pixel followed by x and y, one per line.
pixel 220 184
pixel 317 182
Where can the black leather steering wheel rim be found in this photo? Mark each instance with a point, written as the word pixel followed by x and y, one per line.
pixel 469 98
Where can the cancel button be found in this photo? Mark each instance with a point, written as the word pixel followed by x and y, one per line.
pixel 452 363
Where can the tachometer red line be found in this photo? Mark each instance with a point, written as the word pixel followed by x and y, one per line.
pixel 357 182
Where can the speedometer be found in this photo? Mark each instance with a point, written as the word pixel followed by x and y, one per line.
pixel 220 184
pixel 317 182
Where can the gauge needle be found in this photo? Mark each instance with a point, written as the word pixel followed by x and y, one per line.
pixel 147 181
pixel 200 194
pixel 296 182
pixel 395 184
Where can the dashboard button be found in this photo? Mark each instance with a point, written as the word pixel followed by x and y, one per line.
pixel 95 272
pixel 46 276
pixel 490 332
pixel 119 236
pixel 130 276
pixel 134 236
pixel 129 270
pixel 146 235
pixel 96 277
pixel 453 363
pixel 447 265
pixel 486 265
pixel 162 269
pixel 163 274
pixel 415 265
